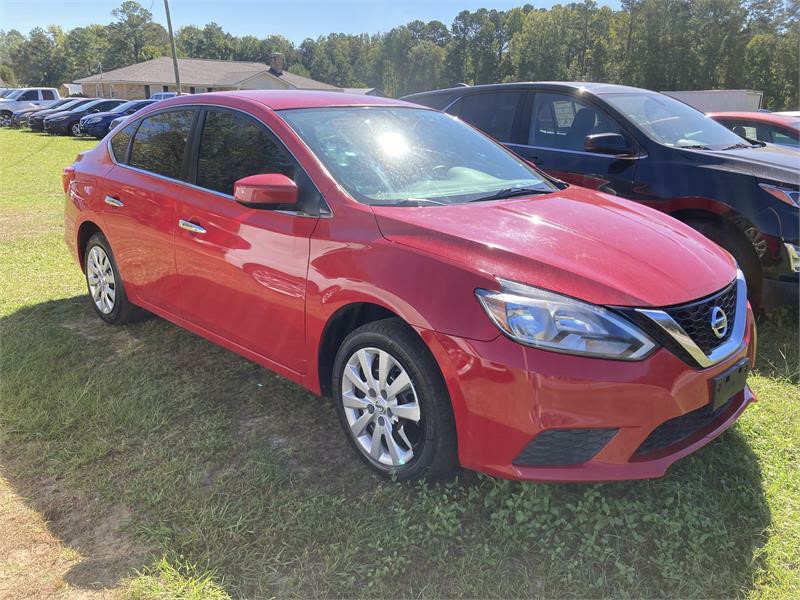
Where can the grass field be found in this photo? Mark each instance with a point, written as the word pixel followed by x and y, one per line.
pixel 167 467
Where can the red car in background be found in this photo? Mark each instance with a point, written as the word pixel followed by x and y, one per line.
pixel 458 305
pixel 762 127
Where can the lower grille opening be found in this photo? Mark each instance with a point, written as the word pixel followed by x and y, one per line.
pixel 676 430
pixel 564 447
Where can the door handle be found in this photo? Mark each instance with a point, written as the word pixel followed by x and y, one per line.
pixel 114 201
pixel 189 226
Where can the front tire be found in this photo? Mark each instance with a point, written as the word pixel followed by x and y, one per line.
pixel 104 283
pixel 393 404
pixel 75 129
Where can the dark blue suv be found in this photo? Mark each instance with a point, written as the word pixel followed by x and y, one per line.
pixel 97 124
pixel 658 151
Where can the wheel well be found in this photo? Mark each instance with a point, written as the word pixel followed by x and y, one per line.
pixel 86 231
pixel 731 229
pixel 344 321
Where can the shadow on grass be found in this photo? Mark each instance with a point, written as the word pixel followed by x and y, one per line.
pixel 142 441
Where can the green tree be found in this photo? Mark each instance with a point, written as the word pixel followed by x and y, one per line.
pixel 133 36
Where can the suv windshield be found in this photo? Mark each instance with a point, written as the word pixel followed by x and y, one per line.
pixel 672 122
pixel 407 156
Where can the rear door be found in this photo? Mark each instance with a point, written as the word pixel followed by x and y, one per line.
pixel 140 195
pixel 555 129
pixel 496 113
pixel 243 270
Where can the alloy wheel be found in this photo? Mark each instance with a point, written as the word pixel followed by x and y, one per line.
pixel 76 129
pixel 102 283
pixel 381 407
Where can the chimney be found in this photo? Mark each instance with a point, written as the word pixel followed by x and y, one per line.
pixel 276 62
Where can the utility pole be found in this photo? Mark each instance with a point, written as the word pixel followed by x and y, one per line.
pixel 174 50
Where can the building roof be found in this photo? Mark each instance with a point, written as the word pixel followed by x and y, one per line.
pixel 200 72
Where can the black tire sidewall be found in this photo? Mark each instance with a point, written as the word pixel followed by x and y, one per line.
pixel 431 458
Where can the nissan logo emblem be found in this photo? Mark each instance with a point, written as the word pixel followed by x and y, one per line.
pixel 719 322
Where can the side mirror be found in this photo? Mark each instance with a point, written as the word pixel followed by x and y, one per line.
pixel 266 190
pixel 606 143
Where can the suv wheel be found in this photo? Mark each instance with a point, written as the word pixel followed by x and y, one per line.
pixel 393 404
pixel 5 119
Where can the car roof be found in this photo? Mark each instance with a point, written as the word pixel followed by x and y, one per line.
pixel 590 86
pixel 286 99
pixel 762 117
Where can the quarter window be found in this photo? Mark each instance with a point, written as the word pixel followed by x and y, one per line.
pixel 160 143
pixel 119 143
pixel 233 146
pixel 559 121
pixel 492 113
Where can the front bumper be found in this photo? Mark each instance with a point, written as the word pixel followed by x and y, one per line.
pixel 98 130
pixel 504 395
pixel 57 127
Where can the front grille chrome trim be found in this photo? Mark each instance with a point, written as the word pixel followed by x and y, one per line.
pixel 721 352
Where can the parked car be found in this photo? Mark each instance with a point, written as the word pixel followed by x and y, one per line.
pixel 97 124
pixel 762 127
pixel 115 122
pixel 457 304
pixel 36 120
pixel 26 98
pixel 20 117
pixel 68 123
pixel 658 151
pixel 163 95
pixel 789 113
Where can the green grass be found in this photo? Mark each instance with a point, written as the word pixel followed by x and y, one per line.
pixel 234 481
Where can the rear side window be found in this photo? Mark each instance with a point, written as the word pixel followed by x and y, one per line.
pixel 492 113
pixel 233 146
pixel 160 143
pixel 120 141
pixel 48 95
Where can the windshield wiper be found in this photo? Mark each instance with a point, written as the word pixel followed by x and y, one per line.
pixel 742 145
pixel 511 192
pixel 695 147
pixel 410 202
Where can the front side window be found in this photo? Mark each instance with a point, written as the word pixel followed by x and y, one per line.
pixel 563 122
pixel 29 95
pixel 160 143
pixel 409 157
pixel 671 122
pixel 493 113
pixel 233 146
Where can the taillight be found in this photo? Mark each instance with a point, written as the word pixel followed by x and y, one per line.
pixel 67 176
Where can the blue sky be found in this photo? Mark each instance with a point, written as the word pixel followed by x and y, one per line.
pixel 296 19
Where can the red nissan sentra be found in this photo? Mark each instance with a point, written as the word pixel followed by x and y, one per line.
pixel 458 305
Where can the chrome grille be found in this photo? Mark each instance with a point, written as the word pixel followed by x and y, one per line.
pixel 695 318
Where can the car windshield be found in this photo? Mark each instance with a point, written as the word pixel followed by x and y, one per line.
pixel 672 122
pixel 89 104
pixel 125 106
pixel 68 106
pixel 407 156
pixel 6 93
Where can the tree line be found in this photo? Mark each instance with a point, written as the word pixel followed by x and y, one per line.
pixel 655 44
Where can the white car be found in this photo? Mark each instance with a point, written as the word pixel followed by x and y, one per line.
pixel 789 113
pixel 26 98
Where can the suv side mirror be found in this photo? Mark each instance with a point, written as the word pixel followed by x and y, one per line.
pixel 266 190
pixel 606 143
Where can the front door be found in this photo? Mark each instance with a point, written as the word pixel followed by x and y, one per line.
pixel 557 127
pixel 242 270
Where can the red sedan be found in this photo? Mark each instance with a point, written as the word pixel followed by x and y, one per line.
pixel 773 128
pixel 458 305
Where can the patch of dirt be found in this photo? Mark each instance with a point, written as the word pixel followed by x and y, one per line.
pixel 16 226
pixel 34 563
pixel 120 339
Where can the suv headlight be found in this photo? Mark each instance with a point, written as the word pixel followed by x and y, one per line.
pixel 788 195
pixel 550 321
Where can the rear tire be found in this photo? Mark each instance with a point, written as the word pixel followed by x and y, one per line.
pixel 398 417
pixel 732 240
pixel 104 282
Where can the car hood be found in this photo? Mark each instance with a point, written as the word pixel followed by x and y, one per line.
pixel 576 242
pixel 777 163
pixel 58 113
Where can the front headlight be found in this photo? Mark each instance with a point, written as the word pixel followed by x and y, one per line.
pixel 550 321
pixel 788 195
